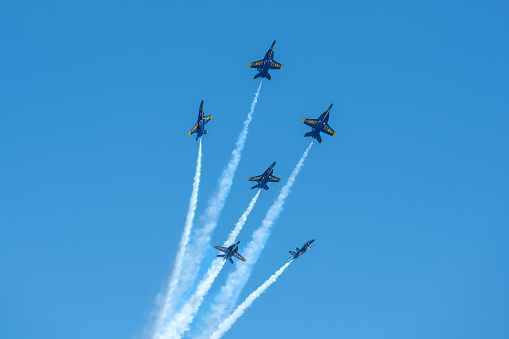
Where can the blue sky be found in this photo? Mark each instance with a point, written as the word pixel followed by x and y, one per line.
pixel 407 203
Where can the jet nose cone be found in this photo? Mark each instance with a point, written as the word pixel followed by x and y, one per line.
pixel 312 241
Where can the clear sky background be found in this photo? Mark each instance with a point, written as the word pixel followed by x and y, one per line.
pixel 408 203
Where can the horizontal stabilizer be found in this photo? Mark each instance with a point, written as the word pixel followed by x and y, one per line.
pixel 255 186
pixel 291 252
pixel 267 75
pixel 257 75
pixel 318 137
pixel 308 134
pixel 265 187
pixel 220 255
pixel 231 260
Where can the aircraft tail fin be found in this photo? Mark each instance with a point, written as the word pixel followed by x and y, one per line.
pixel 220 255
pixel 291 252
pixel 231 260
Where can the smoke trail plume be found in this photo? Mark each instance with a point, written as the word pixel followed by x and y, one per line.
pixel 238 226
pixel 168 301
pixel 180 323
pixel 229 293
pixel 182 320
pixel 228 322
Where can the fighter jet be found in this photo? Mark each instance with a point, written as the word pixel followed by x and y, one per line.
pixel 229 252
pixel 266 63
pixel 199 128
pixel 319 125
pixel 301 251
pixel 266 177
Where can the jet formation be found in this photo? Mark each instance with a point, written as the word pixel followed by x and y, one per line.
pixel 318 126
pixel 229 252
pixel 266 177
pixel 305 247
pixel 263 66
pixel 199 128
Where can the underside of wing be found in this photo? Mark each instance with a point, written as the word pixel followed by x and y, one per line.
pixel 193 130
pixel 274 179
pixel 220 248
pixel 327 130
pixel 257 178
pixel 207 118
pixel 238 256
pixel 310 122
pixel 256 64
pixel 275 65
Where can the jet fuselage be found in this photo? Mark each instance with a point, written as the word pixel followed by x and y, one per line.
pixel 303 250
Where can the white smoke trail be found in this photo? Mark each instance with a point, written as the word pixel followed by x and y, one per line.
pixel 238 226
pixel 180 323
pixel 228 322
pixel 229 293
pixel 168 302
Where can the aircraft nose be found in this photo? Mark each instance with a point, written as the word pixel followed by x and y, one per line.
pixel 312 241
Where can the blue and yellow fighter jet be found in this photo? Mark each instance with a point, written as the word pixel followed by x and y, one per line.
pixel 199 128
pixel 301 251
pixel 266 177
pixel 229 252
pixel 319 125
pixel 266 63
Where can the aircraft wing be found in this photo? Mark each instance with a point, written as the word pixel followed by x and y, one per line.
pixel 238 256
pixel 257 178
pixel 207 118
pixel 310 122
pixel 327 130
pixel 193 130
pixel 275 65
pixel 224 249
pixel 274 179
pixel 256 64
